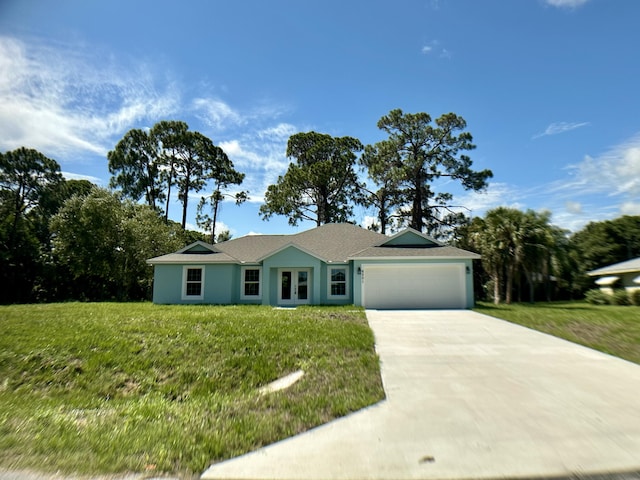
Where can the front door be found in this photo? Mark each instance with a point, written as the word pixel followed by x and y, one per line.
pixel 294 286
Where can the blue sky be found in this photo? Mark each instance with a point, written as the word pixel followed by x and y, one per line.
pixel 548 88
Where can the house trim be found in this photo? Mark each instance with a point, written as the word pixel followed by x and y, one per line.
pixel 347 281
pixel 243 270
pixel 185 281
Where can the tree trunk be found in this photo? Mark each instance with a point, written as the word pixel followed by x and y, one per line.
pixel 185 200
pixel 166 211
pixel 416 207
pixel 215 217
pixel 509 286
pixel 496 287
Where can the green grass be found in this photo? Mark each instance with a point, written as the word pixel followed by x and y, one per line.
pixel 611 329
pixel 112 388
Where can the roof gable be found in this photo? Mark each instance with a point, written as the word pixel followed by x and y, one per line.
pixel 286 247
pixel 410 238
pixel 198 247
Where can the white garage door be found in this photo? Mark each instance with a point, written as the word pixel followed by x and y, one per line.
pixel 414 286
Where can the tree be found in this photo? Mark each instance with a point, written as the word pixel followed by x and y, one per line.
pixel 219 169
pixel 415 155
pixel 196 156
pixel 102 244
pixel 170 135
pixel 387 198
pixel 320 185
pixel 28 180
pixel 515 244
pixel 135 164
pixel 25 174
pixel 223 236
pixel 490 238
pixel 604 243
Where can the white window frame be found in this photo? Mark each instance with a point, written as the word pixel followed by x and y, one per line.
pixel 185 270
pixel 346 281
pixel 243 282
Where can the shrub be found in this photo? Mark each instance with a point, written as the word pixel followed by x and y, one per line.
pixel 634 296
pixel 597 297
pixel 620 297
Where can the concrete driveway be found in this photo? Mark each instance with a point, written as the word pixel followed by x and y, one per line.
pixel 470 396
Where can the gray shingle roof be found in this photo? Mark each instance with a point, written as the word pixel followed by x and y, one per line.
pixel 438 251
pixel 333 242
pixel 627 266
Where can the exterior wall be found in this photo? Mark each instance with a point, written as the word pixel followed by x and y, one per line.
pixel 358 266
pixel 290 257
pixel 221 284
pixel 625 281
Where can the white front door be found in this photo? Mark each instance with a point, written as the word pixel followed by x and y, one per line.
pixel 295 286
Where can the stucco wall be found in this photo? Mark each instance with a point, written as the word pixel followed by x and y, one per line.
pixel 221 284
pixel 290 257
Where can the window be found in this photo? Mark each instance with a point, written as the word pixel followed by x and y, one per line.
pixel 250 282
pixel 338 282
pixel 193 283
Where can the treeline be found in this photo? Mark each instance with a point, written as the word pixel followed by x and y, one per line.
pixel 526 258
pixel 68 239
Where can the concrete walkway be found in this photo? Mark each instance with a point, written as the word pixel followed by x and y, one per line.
pixel 469 396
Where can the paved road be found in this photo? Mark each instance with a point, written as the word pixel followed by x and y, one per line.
pixel 469 396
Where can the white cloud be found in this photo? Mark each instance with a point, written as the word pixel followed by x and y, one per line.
pixel 497 194
pixel 615 172
pixel 220 227
pixel 566 3
pixel 573 207
pixel 216 113
pixel 368 221
pixel 261 154
pixel 630 208
pixel 560 127
pixel 433 47
pixel 63 101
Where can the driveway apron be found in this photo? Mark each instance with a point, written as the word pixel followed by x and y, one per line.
pixel 470 396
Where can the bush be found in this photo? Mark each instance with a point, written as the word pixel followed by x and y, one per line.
pixel 620 297
pixel 634 296
pixel 597 297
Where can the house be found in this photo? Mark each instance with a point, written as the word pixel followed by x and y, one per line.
pixel 619 275
pixel 331 264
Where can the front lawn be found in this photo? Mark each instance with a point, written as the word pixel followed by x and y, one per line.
pixel 112 388
pixel 610 329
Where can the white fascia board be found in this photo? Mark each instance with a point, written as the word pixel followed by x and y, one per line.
pixel 415 258
pixel 190 262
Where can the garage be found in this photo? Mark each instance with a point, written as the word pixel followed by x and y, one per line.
pixel 414 286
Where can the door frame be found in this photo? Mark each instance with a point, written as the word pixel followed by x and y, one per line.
pixel 294 300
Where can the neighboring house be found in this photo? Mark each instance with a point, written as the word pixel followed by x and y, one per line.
pixel 331 264
pixel 619 275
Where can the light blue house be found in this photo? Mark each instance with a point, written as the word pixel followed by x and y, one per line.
pixel 330 264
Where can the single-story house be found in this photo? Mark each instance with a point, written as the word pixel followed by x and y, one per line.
pixel 619 275
pixel 331 264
